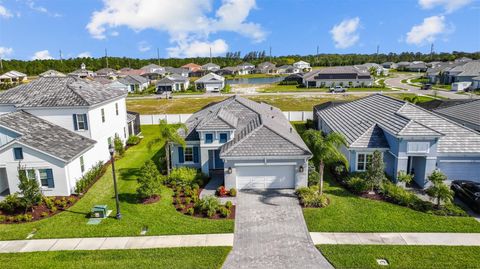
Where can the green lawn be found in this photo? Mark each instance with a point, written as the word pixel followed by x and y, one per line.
pixel 161 217
pixel 357 256
pixel 350 213
pixel 193 104
pixel 421 99
pixel 192 257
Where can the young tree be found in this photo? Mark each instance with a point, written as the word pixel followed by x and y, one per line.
pixel 439 190
pixel 149 181
pixel 118 145
pixel 376 171
pixel 325 149
pixel 29 189
pixel 404 177
pixel 168 134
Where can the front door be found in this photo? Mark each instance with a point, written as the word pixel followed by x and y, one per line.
pixel 214 161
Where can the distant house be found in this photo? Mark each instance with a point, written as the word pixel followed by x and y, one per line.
pixel 13 77
pixel 379 70
pixel 466 113
pixel 389 65
pixel 417 67
pixel 135 83
pixel 172 83
pixel 178 71
pixel 245 69
pixel 267 68
pixel 410 138
pixel 153 68
pixel 109 73
pixel 303 66
pixel 211 67
pixel 211 82
pixel 338 76
pixel 192 67
pixel 298 78
pixel 51 73
pixel 288 69
pixel 83 72
pixel 402 66
pixel 127 71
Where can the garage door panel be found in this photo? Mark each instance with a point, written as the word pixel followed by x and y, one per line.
pixel 265 176
pixel 460 170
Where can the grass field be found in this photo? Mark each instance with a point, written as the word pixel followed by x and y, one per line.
pixel 421 99
pixel 161 217
pixel 418 257
pixel 293 88
pixel 191 105
pixel 351 213
pixel 192 257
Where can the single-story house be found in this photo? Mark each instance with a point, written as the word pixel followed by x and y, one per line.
pixel 389 65
pixel 153 69
pixel 251 145
pixel 298 78
pixel 83 72
pixel 109 73
pixel 177 71
pixel 417 66
pixel 52 73
pixel 192 67
pixel 210 83
pixel 135 82
pixel 245 68
pixel 267 68
pixel 410 138
pixel 13 77
pixel 303 66
pixel 211 67
pixel 466 113
pixel 338 76
pixel 172 83
pixel 288 69
pixel 229 70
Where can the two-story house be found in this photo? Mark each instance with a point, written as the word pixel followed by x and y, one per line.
pixel 60 127
pixel 411 138
pixel 252 145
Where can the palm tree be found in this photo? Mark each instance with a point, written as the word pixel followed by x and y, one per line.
pixel 325 149
pixel 439 190
pixel 168 133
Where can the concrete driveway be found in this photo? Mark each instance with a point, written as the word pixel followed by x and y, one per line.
pixel 270 232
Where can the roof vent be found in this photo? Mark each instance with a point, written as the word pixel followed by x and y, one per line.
pixel 271 108
pixel 291 129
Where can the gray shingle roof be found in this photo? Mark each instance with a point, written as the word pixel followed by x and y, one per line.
pixel 355 119
pixel 210 77
pixel 467 113
pixel 59 92
pixel 261 130
pixel 45 136
pixel 133 79
pixel 52 73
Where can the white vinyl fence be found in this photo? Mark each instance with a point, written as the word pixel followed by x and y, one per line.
pixel 182 118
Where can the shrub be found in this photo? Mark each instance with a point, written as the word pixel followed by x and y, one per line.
pixel 190 211
pixel 181 207
pixel 211 213
pixel 399 195
pixel 402 176
pixel 439 190
pixel 313 175
pixel 27 217
pixel 118 145
pixel 339 170
pixel 303 191
pixel 3 218
pixel 207 204
pixel 357 185
pixel 149 182
pixel 229 204
pixel 53 209
pixel 222 191
pixel 310 197
pixel 49 203
pixel 195 187
pixel 29 189
pixel 10 218
pixel 90 177
pixel 233 192
pixel 376 171
pixel 133 140
pixel 188 200
pixel 224 212
pixel 19 218
pixel 11 203
pixel 71 200
pixel 44 214
pixel 186 176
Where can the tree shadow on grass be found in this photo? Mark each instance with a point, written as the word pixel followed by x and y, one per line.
pixel 129 174
pixel 130 198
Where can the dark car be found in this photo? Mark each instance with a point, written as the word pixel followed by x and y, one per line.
pixel 468 192
pixel 426 87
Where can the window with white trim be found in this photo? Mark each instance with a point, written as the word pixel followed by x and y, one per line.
pixel 188 154
pixel 81 122
pixel 418 147
pixel 364 160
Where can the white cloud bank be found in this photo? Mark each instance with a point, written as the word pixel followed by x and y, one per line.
pixel 427 31
pixel 85 54
pixel 5 13
pixel 42 55
pixel 345 33
pixel 449 5
pixel 189 23
pixel 5 52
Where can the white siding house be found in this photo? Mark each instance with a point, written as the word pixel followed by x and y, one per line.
pixel 210 83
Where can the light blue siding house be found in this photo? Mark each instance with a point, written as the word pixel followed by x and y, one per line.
pixel 411 139
pixel 250 145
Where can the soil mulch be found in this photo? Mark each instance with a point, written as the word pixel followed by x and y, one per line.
pixel 151 200
pixel 374 196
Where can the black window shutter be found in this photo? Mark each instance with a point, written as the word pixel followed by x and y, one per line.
pixel 86 121
pixel 75 126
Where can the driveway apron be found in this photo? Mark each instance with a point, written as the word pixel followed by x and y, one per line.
pixel 270 232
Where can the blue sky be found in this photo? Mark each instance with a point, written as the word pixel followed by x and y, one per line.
pixel 38 29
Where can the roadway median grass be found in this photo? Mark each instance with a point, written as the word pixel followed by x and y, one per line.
pixel 358 256
pixel 161 217
pixel 192 257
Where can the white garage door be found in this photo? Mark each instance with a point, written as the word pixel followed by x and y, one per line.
pixel 460 170
pixel 266 177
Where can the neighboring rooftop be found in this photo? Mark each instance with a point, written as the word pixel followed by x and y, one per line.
pixel 209 78
pixel 133 79
pixel 59 92
pixel 467 113
pixel 44 136
pixel 52 73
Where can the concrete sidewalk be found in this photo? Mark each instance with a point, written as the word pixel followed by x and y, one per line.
pixel 440 239
pixel 102 243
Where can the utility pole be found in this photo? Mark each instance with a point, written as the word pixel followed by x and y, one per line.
pixel 210 54
pixel 158 56
pixel 431 51
pixel 106 57
pixel 378 49
pixel 1 63
pixel 318 48
pixel 270 53
pixel 61 57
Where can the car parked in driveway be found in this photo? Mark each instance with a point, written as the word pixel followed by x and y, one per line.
pixel 468 192
pixel 337 89
pixel 426 87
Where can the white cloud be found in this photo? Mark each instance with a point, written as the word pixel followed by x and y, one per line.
pixel 4 12
pixel 198 48
pixel 448 5
pixel 85 54
pixel 427 31
pixel 42 55
pixel 33 6
pixel 114 33
pixel 144 46
pixel 183 20
pixel 4 51
pixel 345 33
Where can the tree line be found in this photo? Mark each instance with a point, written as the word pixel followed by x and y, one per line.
pixel 36 67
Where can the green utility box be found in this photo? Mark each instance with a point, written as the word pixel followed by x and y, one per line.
pixel 99 211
